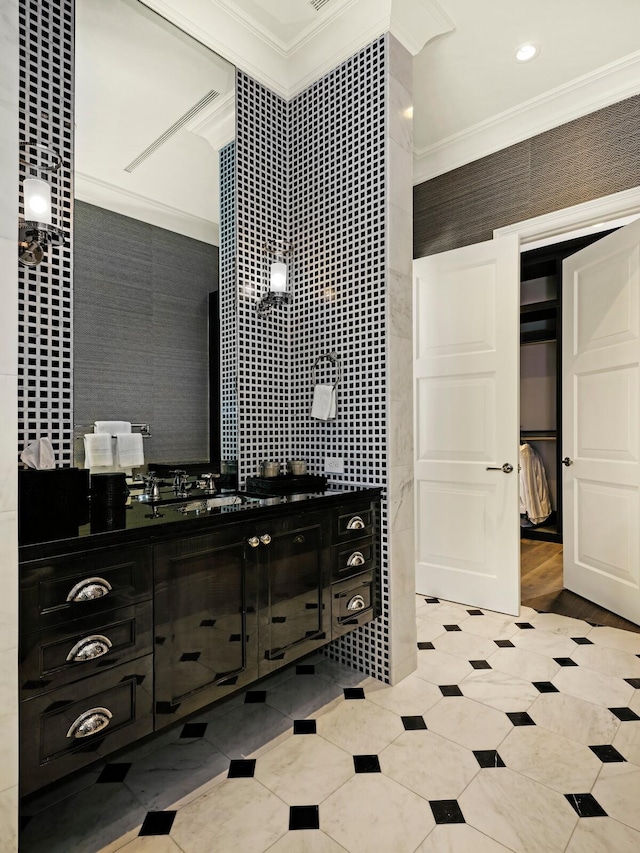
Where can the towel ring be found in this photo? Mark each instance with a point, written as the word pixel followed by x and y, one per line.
pixel 335 361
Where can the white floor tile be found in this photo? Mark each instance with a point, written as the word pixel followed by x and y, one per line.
pixel 523 664
pixel 465 645
pixel 608 661
pixel 360 727
pixel 440 668
pixel 574 718
pixel 600 834
pixel 411 697
pixel 459 838
pixel 627 741
pixel 307 841
pixel 618 792
pixel 554 623
pixel 248 730
pixel 468 723
pixel 596 687
pixel 615 638
pixel 499 690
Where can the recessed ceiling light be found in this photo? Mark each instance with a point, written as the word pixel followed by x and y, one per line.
pixel 527 52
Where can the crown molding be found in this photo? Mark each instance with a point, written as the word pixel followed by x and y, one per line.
pixel 127 203
pixel 216 123
pixel 416 22
pixel 579 97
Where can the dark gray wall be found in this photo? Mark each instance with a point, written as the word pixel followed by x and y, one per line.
pixel 140 330
pixel 584 159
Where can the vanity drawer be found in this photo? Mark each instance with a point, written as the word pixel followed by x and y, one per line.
pixel 353 522
pixel 353 558
pixel 73 726
pixel 73 650
pixel 68 588
pixel 352 603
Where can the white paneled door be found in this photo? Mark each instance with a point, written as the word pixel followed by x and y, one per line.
pixel 466 314
pixel 601 448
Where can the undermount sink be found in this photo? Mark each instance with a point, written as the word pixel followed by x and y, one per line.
pixel 206 504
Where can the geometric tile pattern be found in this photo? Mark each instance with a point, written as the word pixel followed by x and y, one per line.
pixel 422 771
pixel 45 292
pixel 228 306
pixel 310 173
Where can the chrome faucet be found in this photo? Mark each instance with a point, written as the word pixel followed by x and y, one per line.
pixel 180 483
pixel 207 482
pixel 151 486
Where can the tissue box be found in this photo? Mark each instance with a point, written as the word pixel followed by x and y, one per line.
pixel 52 503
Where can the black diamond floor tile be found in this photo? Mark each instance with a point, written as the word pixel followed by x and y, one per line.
pixel 523 625
pixel 446 811
pixel 304 817
pixel 305 669
pixel 625 715
pixel 607 754
pixel 207 623
pixel 450 690
pixel 432 600
pixel 353 693
pixel 193 730
pixel 413 724
pixel 252 697
pixel 480 664
pixel 545 687
pixel 242 768
pixel 304 727
pixel 565 662
pixel 475 612
pixel 634 682
pixel 582 641
pixel 366 764
pixel 504 644
pixel 114 773
pixel 452 628
pixel 586 805
pixel 520 718
pixel 424 646
pixel 157 823
pixel 488 758
pixel 190 656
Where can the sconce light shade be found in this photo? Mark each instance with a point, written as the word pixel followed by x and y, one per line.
pixel 278 277
pixel 37 201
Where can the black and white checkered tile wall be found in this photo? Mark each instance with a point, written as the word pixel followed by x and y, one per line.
pixel 228 304
pixel 45 323
pixel 312 172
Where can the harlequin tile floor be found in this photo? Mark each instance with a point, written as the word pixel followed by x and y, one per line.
pixel 512 735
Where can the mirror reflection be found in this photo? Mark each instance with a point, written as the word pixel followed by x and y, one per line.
pixel 154 107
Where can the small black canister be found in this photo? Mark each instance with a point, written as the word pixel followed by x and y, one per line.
pixel 109 495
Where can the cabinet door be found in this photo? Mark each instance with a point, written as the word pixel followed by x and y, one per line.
pixel 293 588
pixel 202 635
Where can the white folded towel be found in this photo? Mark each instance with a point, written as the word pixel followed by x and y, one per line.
pixel 113 427
pixel 98 450
pixel 129 450
pixel 39 454
pixel 324 402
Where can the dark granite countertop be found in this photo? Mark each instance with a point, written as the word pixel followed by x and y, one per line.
pixel 143 522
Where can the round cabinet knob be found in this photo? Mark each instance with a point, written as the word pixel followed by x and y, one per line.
pixel 355 523
pixel 265 538
pixel 356 603
pixel 89 648
pixel 89 589
pixel 90 723
pixel 253 541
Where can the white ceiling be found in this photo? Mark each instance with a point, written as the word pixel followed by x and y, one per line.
pixel 470 95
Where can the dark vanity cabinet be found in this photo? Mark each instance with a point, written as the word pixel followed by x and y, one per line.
pixel 205 621
pixel 86 663
pixel 117 642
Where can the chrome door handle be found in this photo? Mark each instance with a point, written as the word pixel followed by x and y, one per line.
pixel 507 468
pixel 566 461
pixel 265 538
pixel 253 541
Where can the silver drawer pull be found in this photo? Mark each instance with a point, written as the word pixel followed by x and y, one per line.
pixel 265 538
pixel 356 559
pixel 90 723
pixel 89 648
pixel 253 541
pixel 355 523
pixel 89 589
pixel 356 603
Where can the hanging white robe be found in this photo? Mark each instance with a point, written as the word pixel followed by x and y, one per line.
pixel 534 492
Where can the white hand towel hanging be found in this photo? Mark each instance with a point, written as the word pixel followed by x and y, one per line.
pixel 113 427
pixel 324 402
pixel 129 450
pixel 98 451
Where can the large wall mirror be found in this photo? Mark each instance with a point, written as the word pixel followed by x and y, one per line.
pixel 154 107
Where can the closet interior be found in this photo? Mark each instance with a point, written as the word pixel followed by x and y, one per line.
pixel 541 388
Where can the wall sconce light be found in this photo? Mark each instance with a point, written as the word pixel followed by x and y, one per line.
pixel 36 230
pixel 278 288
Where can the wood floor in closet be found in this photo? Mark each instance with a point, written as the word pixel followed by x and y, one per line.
pixel 541 575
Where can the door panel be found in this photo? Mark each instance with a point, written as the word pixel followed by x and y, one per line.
pixel 466 305
pixel 601 486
